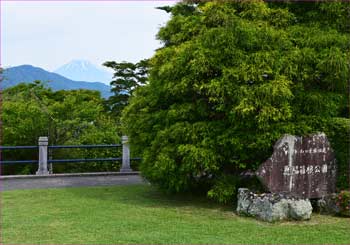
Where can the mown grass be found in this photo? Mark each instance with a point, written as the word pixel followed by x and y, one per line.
pixel 140 214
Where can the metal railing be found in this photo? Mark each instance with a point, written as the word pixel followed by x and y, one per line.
pixel 43 160
pixel 18 148
pixel 83 159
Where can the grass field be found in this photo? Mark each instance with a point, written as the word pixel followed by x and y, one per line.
pixel 141 214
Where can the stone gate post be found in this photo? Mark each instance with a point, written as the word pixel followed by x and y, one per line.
pixel 42 168
pixel 126 155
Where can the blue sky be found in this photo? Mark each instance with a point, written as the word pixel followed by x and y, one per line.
pixel 50 34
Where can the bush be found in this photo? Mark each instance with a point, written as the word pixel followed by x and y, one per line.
pixel 225 189
pixel 338 130
pixel 343 202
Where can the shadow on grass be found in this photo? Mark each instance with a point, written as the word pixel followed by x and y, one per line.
pixel 146 195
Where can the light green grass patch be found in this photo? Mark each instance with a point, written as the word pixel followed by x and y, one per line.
pixel 141 214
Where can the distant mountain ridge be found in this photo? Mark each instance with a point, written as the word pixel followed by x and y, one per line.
pixel 27 74
pixel 83 70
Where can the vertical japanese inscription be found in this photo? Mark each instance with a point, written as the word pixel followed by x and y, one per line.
pixel 302 166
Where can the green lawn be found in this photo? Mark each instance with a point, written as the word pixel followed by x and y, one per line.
pixel 141 214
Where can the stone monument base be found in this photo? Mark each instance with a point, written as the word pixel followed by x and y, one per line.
pixel 272 207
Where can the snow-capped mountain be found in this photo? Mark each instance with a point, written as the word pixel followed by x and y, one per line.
pixel 83 70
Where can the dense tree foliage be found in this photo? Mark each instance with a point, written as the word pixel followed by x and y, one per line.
pixel 67 117
pixel 127 77
pixel 230 80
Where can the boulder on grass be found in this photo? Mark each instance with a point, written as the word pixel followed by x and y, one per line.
pixel 272 207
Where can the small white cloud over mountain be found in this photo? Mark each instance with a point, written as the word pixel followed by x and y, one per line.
pixel 83 70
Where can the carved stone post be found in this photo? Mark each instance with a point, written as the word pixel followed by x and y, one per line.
pixel 43 143
pixel 126 155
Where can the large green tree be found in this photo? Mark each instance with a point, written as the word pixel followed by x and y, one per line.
pixel 232 78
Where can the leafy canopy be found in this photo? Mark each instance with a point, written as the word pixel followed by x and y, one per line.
pixel 232 78
pixel 67 117
pixel 127 77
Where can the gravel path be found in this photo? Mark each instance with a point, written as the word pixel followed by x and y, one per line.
pixel 66 180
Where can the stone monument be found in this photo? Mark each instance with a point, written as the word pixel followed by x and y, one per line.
pixel 303 167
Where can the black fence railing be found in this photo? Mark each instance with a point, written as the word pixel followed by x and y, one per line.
pixel 110 159
pixel 83 146
pixel 45 155
pixel 18 148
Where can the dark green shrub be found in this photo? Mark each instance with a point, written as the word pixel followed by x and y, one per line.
pixel 230 80
pixel 338 131
pixel 225 189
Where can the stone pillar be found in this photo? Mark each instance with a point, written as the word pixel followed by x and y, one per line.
pixel 126 155
pixel 43 143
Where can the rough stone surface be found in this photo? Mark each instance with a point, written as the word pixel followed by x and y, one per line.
pixel 272 207
pixel 304 167
pixel 300 209
pixel 327 204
